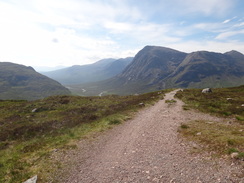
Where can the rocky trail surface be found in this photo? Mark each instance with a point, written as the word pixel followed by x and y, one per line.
pixel 148 148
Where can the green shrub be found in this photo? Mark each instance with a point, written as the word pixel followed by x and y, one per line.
pixel 172 101
pixel 114 122
pixel 184 126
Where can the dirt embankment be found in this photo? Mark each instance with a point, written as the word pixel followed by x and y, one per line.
pixel 147 148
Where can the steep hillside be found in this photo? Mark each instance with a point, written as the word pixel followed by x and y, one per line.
pixel 152 63
pixel 155 68
pixel 21 82
pixel 209 69
pixel 98 71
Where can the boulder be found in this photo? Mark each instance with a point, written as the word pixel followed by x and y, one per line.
pixel 207 90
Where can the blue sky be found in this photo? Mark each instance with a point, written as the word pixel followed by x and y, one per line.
pixel 77 32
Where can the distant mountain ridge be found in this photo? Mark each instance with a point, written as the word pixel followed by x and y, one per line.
pixel 101 70
pixel 155 68
pixel 21 82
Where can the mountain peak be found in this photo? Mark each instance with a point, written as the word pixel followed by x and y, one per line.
pixel 161 48
pixel 151 62
pixel 233 53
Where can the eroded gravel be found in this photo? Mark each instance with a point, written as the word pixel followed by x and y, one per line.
pixel 147 148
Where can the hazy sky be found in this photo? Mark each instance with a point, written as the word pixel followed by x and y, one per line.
pixel 77 32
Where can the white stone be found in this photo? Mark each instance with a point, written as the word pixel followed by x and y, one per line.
pixel 31 180
pixel 34 110
pixel 234 155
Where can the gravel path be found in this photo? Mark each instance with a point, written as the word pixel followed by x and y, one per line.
pixel 148 149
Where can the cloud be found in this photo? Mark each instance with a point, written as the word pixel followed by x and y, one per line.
pixel 239 24
pixel 44 32
pixel 225 35
pixel 215 46
pixel 205 7
pixel 226 21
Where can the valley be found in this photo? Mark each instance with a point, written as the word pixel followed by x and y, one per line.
pixel 155 68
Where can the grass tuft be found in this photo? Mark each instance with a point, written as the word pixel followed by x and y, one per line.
pixel 172 101
pixel 184 126
pixel 115 122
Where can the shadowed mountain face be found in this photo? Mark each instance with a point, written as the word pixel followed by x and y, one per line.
pixel 98 71
pixel 155 68
pixel 21 82
pixel 209 69
pixel 152 63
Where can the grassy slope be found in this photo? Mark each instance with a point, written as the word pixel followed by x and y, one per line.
pixel 221 137
pixel 21 82
pixel 31 131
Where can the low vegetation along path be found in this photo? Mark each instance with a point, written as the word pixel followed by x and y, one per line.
pixel 148 148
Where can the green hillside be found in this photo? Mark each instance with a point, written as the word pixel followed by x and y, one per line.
pixel 18 82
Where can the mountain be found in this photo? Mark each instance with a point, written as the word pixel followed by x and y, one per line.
pixel 98 71
pixel 151 64
pixel 209 69
pixel 156 68
pixel 21 82
pixel 47 69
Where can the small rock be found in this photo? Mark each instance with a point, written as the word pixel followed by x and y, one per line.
pixel 147 172
pixel 34 110
pixel 209 122
pixel 229 123
pixel 155 180
pixel 234 155
pixel 242 105
pixel 199 133
pixel 31 180
pixel 195 146
pixel 141 104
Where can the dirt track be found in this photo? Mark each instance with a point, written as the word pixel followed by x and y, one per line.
pixel 148 149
